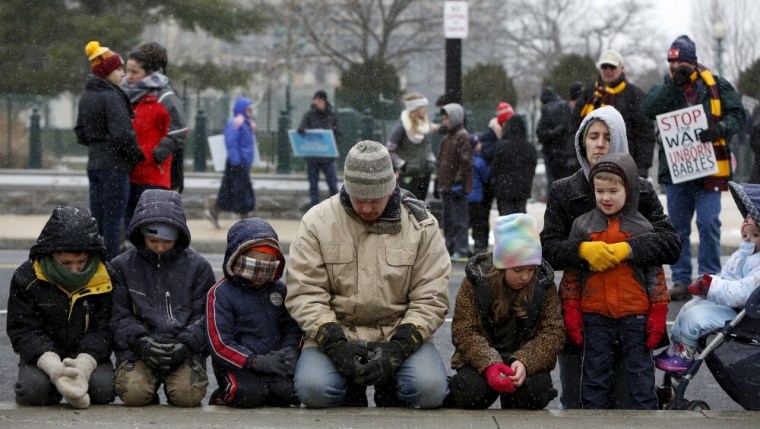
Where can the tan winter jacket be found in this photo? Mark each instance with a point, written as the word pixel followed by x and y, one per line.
pixel 368 278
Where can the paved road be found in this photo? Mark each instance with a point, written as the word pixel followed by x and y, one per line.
pixel 702 387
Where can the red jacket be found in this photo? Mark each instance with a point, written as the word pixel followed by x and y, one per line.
pixel 151 124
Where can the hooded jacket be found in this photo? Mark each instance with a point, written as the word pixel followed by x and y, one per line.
pixel 239 137
pixel 572 196
pixel 163 294
pixel 104 125
pixel 368 278
pixel 243 321
pixel 43 316
pixel 151 124
pixel 626 289
pixel 455 153
pixel 514 163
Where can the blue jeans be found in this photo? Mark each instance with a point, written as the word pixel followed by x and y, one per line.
pixel 420 381
pixel 109 192
pixel 683 200
pixel 456 222
pixel 697 317
pixel 313 166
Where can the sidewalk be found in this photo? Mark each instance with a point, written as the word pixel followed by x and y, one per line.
pixel 21 231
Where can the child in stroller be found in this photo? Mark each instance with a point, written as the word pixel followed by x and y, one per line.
pixel 726 304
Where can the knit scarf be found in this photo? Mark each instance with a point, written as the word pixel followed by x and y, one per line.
pixel 59 275
pixel 152 82
pixel 719 180
pixel 604 95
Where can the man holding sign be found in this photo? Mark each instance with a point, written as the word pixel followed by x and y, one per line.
pixel 696 114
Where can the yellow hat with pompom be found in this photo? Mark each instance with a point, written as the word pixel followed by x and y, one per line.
pixel 103 61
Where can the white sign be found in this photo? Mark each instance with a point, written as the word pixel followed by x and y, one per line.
pixel 455 20
pixel 219 152
pixel 687 157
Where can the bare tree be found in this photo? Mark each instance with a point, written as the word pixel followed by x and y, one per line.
pixel 739 18
pixel 352 31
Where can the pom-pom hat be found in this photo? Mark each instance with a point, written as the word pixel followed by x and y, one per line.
pixel 103 61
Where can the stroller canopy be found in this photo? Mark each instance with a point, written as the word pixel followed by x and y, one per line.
pixel 747 198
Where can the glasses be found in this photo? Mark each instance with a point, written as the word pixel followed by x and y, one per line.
pixel 608 67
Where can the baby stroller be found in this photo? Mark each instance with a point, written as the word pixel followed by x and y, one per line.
pixel 732 353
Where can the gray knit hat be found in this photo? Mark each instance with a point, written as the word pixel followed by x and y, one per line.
pixel 368 171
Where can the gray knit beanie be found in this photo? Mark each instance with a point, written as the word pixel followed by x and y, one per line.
pixel 368 171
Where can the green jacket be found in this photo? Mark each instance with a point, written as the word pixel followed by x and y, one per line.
pixel 667 97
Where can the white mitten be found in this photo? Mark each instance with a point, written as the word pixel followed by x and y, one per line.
pixel 62 376
pixel 80 403
pixel 85 363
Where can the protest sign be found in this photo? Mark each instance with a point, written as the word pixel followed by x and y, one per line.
pixel 687 157
pixel 313 143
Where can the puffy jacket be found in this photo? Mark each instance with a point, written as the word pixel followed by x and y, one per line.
pixel 43 316
pixel 368 278
pixel 104 125
pixel 473 340
pixel 239 137
pixel 159 294
pixel 571 197
pixel 243 321
pixel 151 124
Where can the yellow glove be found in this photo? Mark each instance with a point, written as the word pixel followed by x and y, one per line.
pixel 598 255
pixel 621 250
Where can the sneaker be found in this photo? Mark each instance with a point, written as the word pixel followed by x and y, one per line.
pixel 673 363
pixel 212 217
pixel 679 292
pixel 458 257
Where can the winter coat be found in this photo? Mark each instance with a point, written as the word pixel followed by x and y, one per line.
pixel 242 321
pixel 514 163
pixel 626 289
pixel 572 196
pixel 555 127
pixel 667 96
pixel 481 173
pixel 151 124
pixel 473 342
pixel 159 294
pixel 315 119
pixel 412 159
pixel 368 278
pixel 43 316
pixel 489 139
pixel 738 278
pixel 639 128
pixel 455 153
pixel 239 137
pixel 104 125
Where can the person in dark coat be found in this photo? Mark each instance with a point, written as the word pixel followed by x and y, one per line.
pixel 59 306
pixel 104 125
pixel 159 307
pixel 479 209
pixel 321 116
pixel 513 167
pixel 254 342
pixel 614 89
pixel 555 133
pixel 571 197
pixel 236 192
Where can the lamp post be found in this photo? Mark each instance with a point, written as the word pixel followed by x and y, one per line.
pixel 719 33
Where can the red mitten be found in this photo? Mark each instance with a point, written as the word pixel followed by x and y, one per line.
pixel 498 379
pixel 573 322
pixel 701 286
pixel 656 320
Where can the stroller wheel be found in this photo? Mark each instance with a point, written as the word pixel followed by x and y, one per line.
pixel 697 406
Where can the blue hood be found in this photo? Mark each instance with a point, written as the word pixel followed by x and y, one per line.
pixel 244 234
pixel 162 206
pixel 240 106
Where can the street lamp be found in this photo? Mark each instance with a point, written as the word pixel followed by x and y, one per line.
pixel 719 31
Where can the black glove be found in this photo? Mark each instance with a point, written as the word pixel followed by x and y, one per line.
pixel 408 337
pixel 280 362
pixel 711 134
pixel 160 153
pixel 682 76
pixel 346 356
pixel 152 352
pixel 177 353
pixel 385 360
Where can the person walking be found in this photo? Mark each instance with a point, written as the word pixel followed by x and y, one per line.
pixel 689 83
pixel 236 192
pixel 410 147
pixel 367 281
pixel 321 116
pixel 104 125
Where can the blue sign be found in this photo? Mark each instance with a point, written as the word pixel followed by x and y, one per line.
pixel 313 143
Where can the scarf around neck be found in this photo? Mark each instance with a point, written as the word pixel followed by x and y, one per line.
pixel 604 95
pixel 68 280
pixel 152 82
